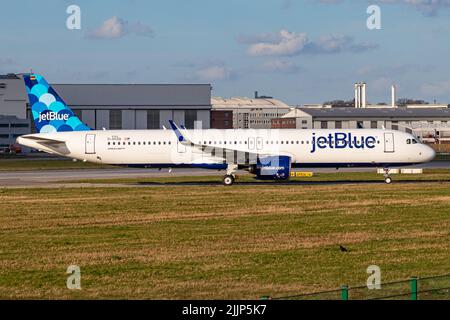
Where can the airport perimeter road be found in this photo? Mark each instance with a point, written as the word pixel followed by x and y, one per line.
pixel 44 177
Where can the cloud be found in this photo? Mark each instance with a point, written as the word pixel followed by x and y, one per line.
pixel 115 28
pixel 278 66
pixel 286 43
pixel 214 72
pixel 436 89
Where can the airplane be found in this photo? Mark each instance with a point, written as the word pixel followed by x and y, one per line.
pixel 267 153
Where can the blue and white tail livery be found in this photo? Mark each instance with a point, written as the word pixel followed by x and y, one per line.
pixel 50 112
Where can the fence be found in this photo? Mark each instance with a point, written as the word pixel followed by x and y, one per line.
pixel 427 288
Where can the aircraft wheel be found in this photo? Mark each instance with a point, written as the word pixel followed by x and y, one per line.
pixel 388 180
pixel 228 180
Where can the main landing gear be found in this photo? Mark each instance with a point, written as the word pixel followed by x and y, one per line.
pixel 387 178
pixel 229 178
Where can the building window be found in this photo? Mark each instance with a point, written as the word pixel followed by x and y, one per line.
pixel 338 124
pixel 152 119
pixel 115 119
pixel 374 124
pixel 394 125
pixel 323 125
pixel 189 118
pixel 19 125
pixel 360 124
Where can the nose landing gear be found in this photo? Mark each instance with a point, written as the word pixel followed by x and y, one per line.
pixel 387 178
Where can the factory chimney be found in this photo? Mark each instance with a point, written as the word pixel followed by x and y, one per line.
pixel 364 96
pixel 393 96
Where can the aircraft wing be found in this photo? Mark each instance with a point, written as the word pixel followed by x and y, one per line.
pixel 221 152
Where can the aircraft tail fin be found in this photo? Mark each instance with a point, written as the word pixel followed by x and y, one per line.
pixel 50 112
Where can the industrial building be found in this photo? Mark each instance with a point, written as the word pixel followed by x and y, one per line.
pixel 431 125
pixel 138 106
pixel 246 113
pixel 110 106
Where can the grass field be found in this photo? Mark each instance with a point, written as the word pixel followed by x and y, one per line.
pixel 217 242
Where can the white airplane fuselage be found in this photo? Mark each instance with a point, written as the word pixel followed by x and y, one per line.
pixel 306 148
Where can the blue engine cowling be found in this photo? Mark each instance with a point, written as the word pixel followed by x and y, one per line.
pixel 273 168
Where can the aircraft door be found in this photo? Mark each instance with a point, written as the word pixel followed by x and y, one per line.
pixel 90 144
pixel 389 142
pixel 251 143
pixel 259 143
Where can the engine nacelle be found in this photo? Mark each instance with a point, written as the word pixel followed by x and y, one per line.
pixel 273 168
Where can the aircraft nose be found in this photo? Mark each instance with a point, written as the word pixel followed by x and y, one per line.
pixel 427 153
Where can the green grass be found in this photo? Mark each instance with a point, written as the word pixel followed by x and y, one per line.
pixel 47 164
pixel 218 242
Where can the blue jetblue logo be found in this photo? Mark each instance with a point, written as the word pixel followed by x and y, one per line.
pixel 342 140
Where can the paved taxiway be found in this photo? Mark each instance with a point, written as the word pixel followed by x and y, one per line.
pixel 58 178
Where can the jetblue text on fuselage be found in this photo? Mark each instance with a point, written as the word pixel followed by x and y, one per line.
pixel 53 116
pixel 342 140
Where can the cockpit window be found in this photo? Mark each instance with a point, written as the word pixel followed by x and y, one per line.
pixel 414 141
pixel 408 141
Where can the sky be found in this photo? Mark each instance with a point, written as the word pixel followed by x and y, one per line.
pixel 298 51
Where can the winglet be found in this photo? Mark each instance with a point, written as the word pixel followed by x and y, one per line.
pixel 175 129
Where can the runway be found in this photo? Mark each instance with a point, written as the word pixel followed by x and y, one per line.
pixel 64 178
